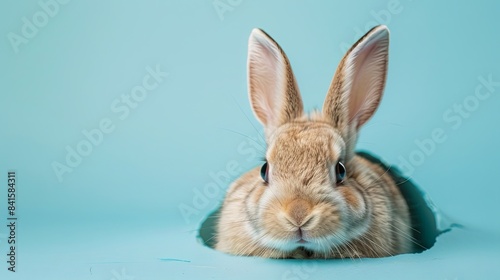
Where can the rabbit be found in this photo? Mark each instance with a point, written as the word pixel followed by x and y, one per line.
pixel 314 197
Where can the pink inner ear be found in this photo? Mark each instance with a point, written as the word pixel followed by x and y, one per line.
pixel 367 68
pixel 263 82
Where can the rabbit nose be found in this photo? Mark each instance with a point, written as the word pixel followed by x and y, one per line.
pixel 298 212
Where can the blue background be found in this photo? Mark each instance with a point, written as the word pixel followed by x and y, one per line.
pixel 118 212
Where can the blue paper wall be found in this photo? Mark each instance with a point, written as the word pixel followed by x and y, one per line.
pixel 124 122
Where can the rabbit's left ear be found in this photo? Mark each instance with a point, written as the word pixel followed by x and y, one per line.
pixel 358 84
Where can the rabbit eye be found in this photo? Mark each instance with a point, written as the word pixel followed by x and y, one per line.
pixel 264 173
pixel 340 172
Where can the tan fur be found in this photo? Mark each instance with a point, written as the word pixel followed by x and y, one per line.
pixel 302 212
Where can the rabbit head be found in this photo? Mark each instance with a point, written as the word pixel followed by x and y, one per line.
pixel 309 195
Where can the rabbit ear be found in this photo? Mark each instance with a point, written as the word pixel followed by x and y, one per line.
pixel 273 91
pixel 358 84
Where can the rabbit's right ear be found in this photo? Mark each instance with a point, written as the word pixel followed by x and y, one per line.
pixel 272 88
